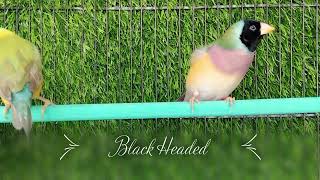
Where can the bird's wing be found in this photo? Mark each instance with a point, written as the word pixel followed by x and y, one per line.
pixel 20 63
pixel 198 54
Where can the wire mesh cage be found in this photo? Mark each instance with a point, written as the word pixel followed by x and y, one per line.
pixel 139 51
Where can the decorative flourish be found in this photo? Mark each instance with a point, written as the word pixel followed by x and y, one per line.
pixel 72 146
pixel 252 149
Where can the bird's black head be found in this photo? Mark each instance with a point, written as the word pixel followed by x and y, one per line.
pixel 252 33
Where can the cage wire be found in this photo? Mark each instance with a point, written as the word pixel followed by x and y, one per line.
pixel 138 51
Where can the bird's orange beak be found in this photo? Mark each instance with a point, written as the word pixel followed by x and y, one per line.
pixel 266 28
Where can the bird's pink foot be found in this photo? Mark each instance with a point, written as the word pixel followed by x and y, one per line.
pixel 47 103
pixel 194 98
pixel 230 100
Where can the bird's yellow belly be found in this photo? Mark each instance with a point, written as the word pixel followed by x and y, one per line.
pixel 210 82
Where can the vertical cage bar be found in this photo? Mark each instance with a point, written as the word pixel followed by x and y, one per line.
pixel 317 62
pixel 131 53
pixel 267 57
pixel 131 61
pixel 167 52
pixel 68 48
pixel 155 89
pixel 256 73
pixel 95 44
pixel 119 82
pixel 243 82
pixel 41 31
pixel 41 28
pixel 168 64
pixel 255 62
pixel 267 53
pixel 5 13
pixel 205 42
pixel 179 48
pixel 303 50
pixel 279 52
pixel 107 46
pixel 304 59
pixel 233 124
pixel 291 48
pixel 193 45
pixel 30 19
pixel 16 27
pixel 83 12
pixel 205 22
pixel 5 18
pixel 217 13
pixel 194 120
pixel 141 51
pixel 54 58
pixel 230 13
pixel 155 57
pixel 155 52
pixel 107 52
pixel 317 44
pixel 218 27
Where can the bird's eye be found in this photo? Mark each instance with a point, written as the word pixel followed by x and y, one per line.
pixel 252 28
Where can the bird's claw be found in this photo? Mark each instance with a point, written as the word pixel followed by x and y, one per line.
pixel 44 107
pixel 47 103
pixel 230 100
pixel 6 110
pixel 193 99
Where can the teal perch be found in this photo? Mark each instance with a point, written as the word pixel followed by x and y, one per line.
pixel 255 107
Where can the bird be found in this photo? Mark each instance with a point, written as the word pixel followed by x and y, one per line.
pixel 217 69
pixel 21 78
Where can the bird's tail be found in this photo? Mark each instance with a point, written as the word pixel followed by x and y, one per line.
pixel 181 98
pixel 21 109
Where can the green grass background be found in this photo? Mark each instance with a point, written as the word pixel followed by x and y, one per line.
pixel 98 56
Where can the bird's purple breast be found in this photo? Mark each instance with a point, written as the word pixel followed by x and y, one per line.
pixel 231 61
